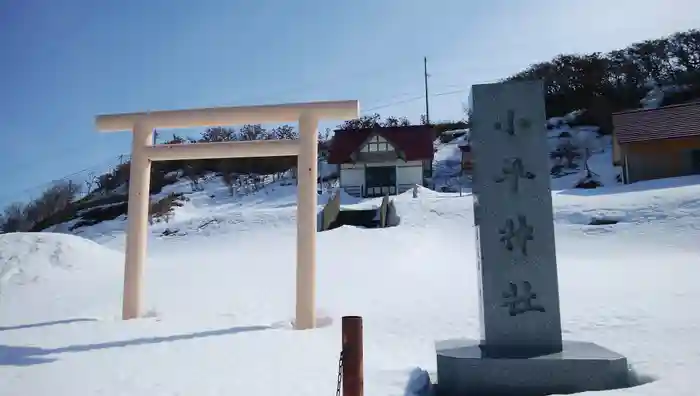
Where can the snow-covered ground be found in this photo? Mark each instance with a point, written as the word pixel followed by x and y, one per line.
pixel 219 295
pixel 447 164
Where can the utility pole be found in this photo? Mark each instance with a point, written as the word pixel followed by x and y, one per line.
pixel 425 74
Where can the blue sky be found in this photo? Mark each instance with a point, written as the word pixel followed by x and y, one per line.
pixel 63 62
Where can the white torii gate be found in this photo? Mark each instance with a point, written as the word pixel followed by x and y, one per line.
pixel 143 152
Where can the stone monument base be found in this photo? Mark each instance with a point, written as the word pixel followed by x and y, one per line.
pixel 465 367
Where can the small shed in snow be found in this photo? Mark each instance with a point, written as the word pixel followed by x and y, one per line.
pixel 657 143
pixel 382 160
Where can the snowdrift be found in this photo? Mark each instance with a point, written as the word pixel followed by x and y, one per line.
pixel 27 258
pixel 46 275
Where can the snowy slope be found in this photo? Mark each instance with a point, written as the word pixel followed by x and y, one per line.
pixel 447 159
pixel 220 297
pixel 213 207
pixel 447 164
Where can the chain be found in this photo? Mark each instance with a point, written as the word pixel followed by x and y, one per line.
pixel 340 374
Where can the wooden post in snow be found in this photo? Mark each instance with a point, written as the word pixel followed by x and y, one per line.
pixel 353 373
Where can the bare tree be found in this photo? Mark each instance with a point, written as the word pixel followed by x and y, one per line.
pixel 228 176
pixel 364 122
pixel 110 181
pixel 14 219
pixel 53 200
pixel 21 218
pixel 193 172
pixel 285 132
pixel 219 134
pixel 391 122
pixel 325 136
pixel 253 132
pixel 585 140
pixel 90 182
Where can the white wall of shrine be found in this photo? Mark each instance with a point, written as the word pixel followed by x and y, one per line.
pixel 408 173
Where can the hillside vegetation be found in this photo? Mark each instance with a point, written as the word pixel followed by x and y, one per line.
pixel 602 84
pixel 105 196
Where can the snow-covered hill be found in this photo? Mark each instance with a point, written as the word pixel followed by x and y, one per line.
pixel 104 205
pixel 562 139
pixel 220 295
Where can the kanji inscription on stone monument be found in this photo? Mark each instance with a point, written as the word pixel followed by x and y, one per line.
pixel 523 123
pixel 515 232
pixel 520 301
pixel 517 236
pixel 513 171
pixel 510 127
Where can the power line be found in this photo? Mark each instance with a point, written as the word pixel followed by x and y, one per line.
pixel 413 99
pixel 376 72
pixel 384 70
pixel 452 92
pixel 378 107
pixel 414 96
pixel 96 167
pixel 316 83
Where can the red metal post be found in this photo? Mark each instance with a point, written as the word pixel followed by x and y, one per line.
pixel 353 373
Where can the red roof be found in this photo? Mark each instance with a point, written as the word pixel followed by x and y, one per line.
pixel 668 122
pixel 415 142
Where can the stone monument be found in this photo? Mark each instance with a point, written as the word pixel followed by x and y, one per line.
pixel 521 349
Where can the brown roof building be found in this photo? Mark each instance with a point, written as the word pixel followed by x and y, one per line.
pixel 657 143
pixel 382 160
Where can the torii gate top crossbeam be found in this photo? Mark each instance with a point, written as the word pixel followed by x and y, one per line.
pixel 215 116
